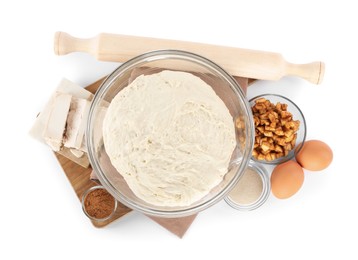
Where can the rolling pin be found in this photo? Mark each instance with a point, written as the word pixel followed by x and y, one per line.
pixel 236 61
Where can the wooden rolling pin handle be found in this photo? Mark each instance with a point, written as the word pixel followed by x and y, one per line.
pixel 313 72
pixel 65 44
pixel 238 62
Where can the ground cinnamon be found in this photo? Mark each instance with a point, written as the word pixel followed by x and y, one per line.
pixel 99 204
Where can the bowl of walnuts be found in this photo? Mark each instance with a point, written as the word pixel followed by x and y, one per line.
pixel 280 128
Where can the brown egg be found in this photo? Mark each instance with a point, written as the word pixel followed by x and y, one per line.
pixel 315 155
pixel 286 179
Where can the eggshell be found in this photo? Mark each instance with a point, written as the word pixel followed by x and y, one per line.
pixel 286 179
pixel 315 155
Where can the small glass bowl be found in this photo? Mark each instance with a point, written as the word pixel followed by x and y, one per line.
pixel 266 188
pixel 297 115
pixel 84 196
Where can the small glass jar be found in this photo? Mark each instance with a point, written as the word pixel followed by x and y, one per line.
pixel 100 207
pixel 261 198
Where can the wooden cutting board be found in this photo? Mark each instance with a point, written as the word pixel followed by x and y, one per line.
pixel 79 179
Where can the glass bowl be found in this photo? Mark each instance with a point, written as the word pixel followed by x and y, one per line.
pixel 296 115
pixel 225 87
pixel 97 204
pixel 261 199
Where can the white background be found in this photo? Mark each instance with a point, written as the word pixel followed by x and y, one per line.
pixel 40 216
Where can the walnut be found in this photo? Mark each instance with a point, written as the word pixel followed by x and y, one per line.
pixel 275 130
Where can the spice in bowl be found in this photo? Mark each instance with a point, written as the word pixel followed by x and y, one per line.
pixel 252 190
pixel 98 204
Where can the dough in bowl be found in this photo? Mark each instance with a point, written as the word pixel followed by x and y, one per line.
pixel 170 136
